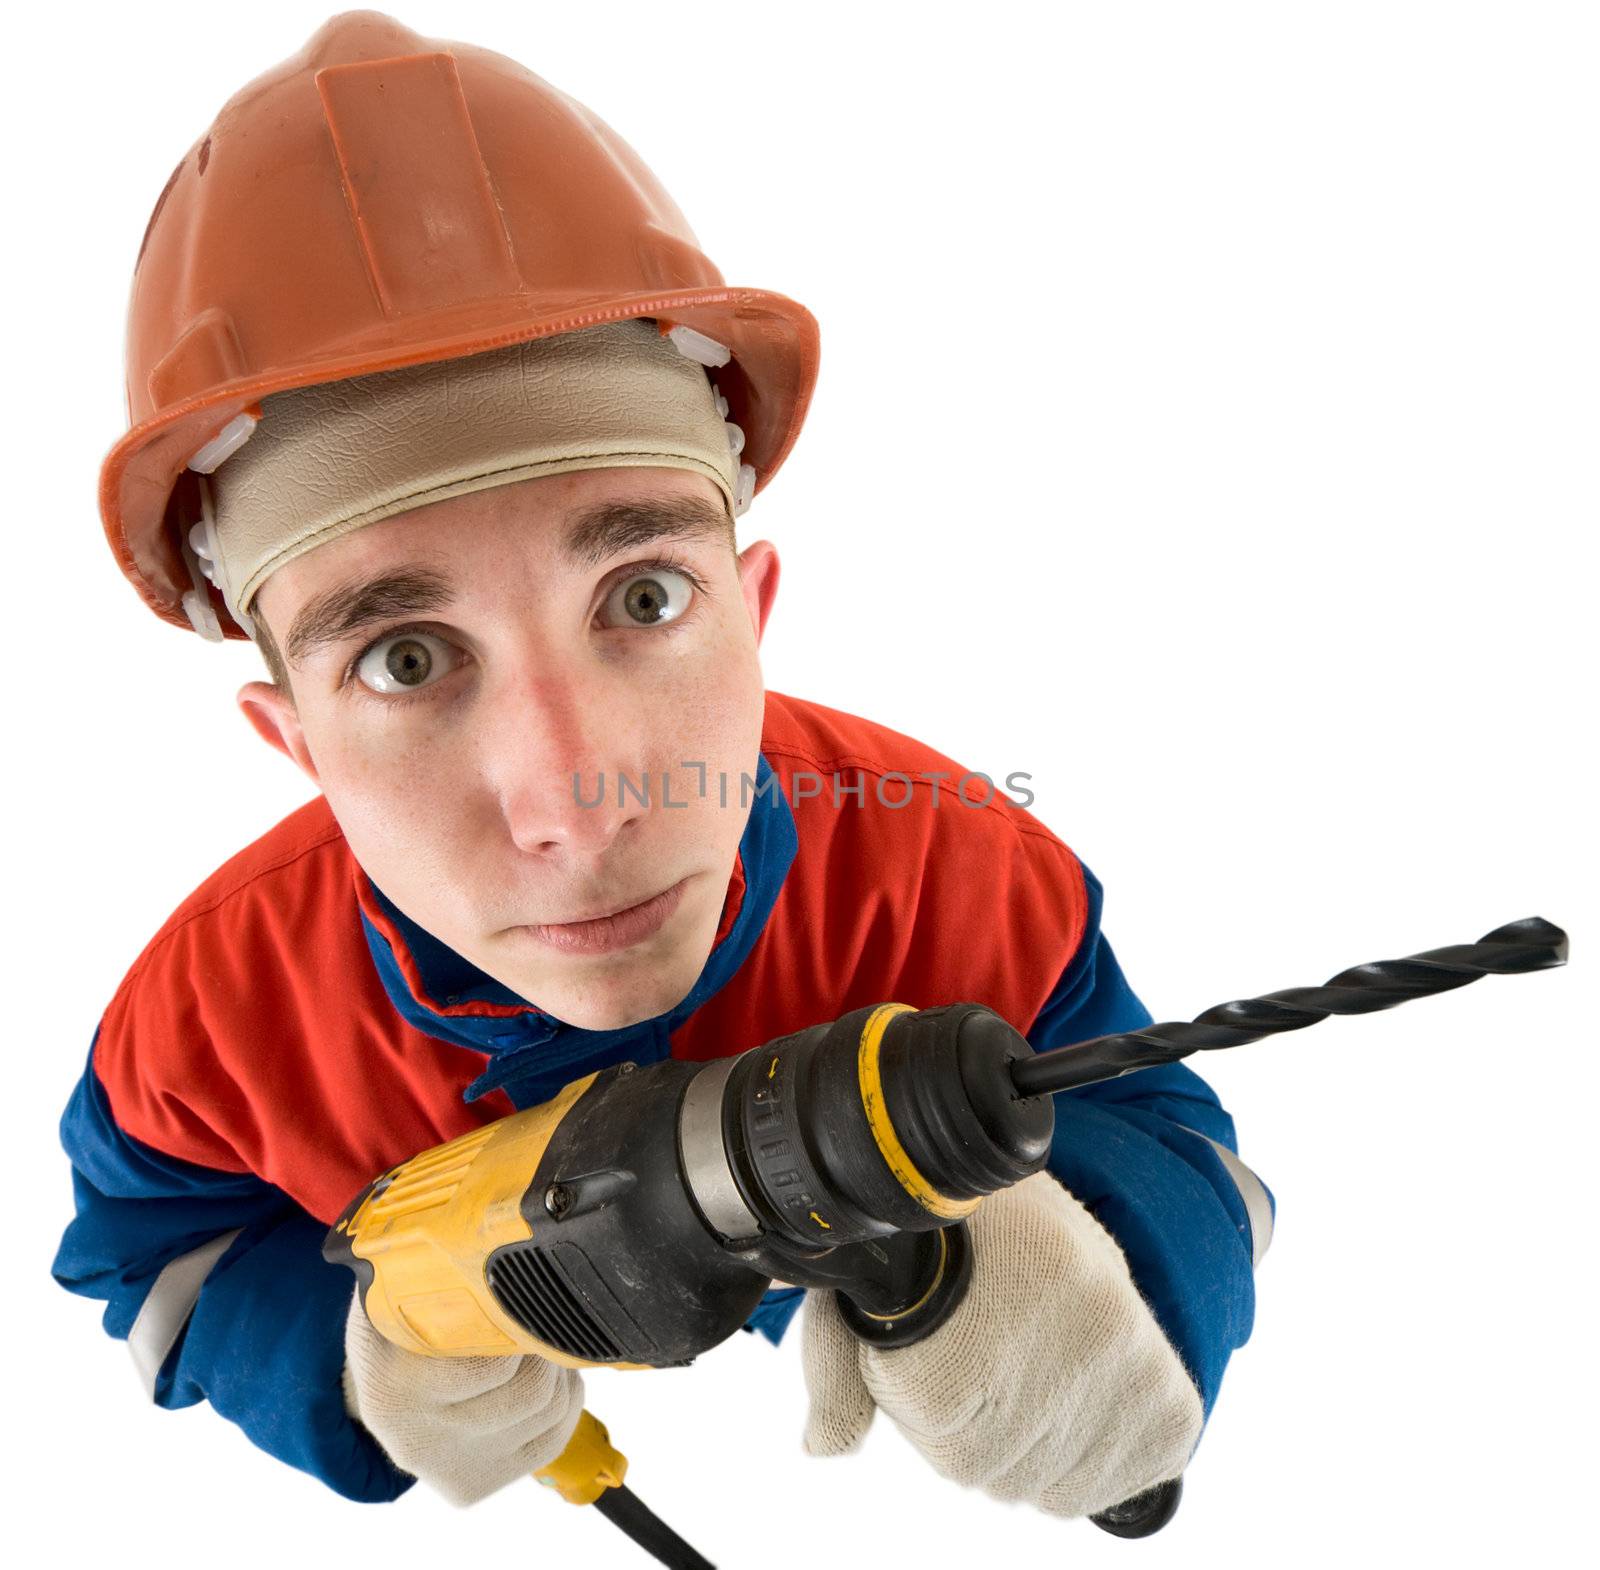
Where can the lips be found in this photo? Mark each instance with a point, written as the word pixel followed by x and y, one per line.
pixel 614 930
pixel 602 915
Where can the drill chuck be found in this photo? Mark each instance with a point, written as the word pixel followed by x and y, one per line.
pixel 848 1155
pixel 888 1119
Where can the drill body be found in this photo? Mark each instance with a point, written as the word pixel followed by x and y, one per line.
pixel 638 1217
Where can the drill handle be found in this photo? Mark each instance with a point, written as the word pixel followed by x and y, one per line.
pixel 892 1290
pixel 945 1263
pixel 931 1288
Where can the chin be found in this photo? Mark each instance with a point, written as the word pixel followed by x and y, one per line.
pixel 613 991
pixel 610 997
pixel 586 1017
pixel 615 1004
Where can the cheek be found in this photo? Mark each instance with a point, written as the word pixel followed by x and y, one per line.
pixel 713 722
pixel 399 804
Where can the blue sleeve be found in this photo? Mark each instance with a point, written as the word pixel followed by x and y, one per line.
pixel 773 1313
pixel 1140 1153
pixel 263 1336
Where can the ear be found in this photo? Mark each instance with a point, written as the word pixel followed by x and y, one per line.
pixel 758 577
pixel 274 720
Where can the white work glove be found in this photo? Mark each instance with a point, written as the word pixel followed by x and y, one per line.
pixel 1051 1383
pixel 466 1426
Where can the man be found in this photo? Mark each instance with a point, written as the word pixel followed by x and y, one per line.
pixel 435 396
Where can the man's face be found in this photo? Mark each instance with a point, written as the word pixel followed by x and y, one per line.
pixel 454 667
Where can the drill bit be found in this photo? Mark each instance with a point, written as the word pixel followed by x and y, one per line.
pixel 1531 944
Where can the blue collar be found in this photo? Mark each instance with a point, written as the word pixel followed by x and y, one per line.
pixel 533 1054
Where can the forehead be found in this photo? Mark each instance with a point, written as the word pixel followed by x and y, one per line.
pixel 561 522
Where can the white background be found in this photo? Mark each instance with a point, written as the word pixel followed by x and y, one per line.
pixel 1205 426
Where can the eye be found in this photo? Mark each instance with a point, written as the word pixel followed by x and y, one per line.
pixel 651 597
pixel 405 662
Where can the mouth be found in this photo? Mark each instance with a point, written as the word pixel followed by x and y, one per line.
pixel 615 929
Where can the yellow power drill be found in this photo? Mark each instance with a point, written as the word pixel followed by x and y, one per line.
pixel 637 1218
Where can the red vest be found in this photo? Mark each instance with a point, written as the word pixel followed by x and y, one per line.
pixel 254 1034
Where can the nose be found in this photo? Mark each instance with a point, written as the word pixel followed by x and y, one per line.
pixel 563 757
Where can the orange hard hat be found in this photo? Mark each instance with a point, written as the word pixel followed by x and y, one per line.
pixel 381 199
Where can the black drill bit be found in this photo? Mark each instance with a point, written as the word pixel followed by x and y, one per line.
pixel 1532 944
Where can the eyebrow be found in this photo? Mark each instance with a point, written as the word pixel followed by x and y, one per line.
pixel 592 536
pixel 607 529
